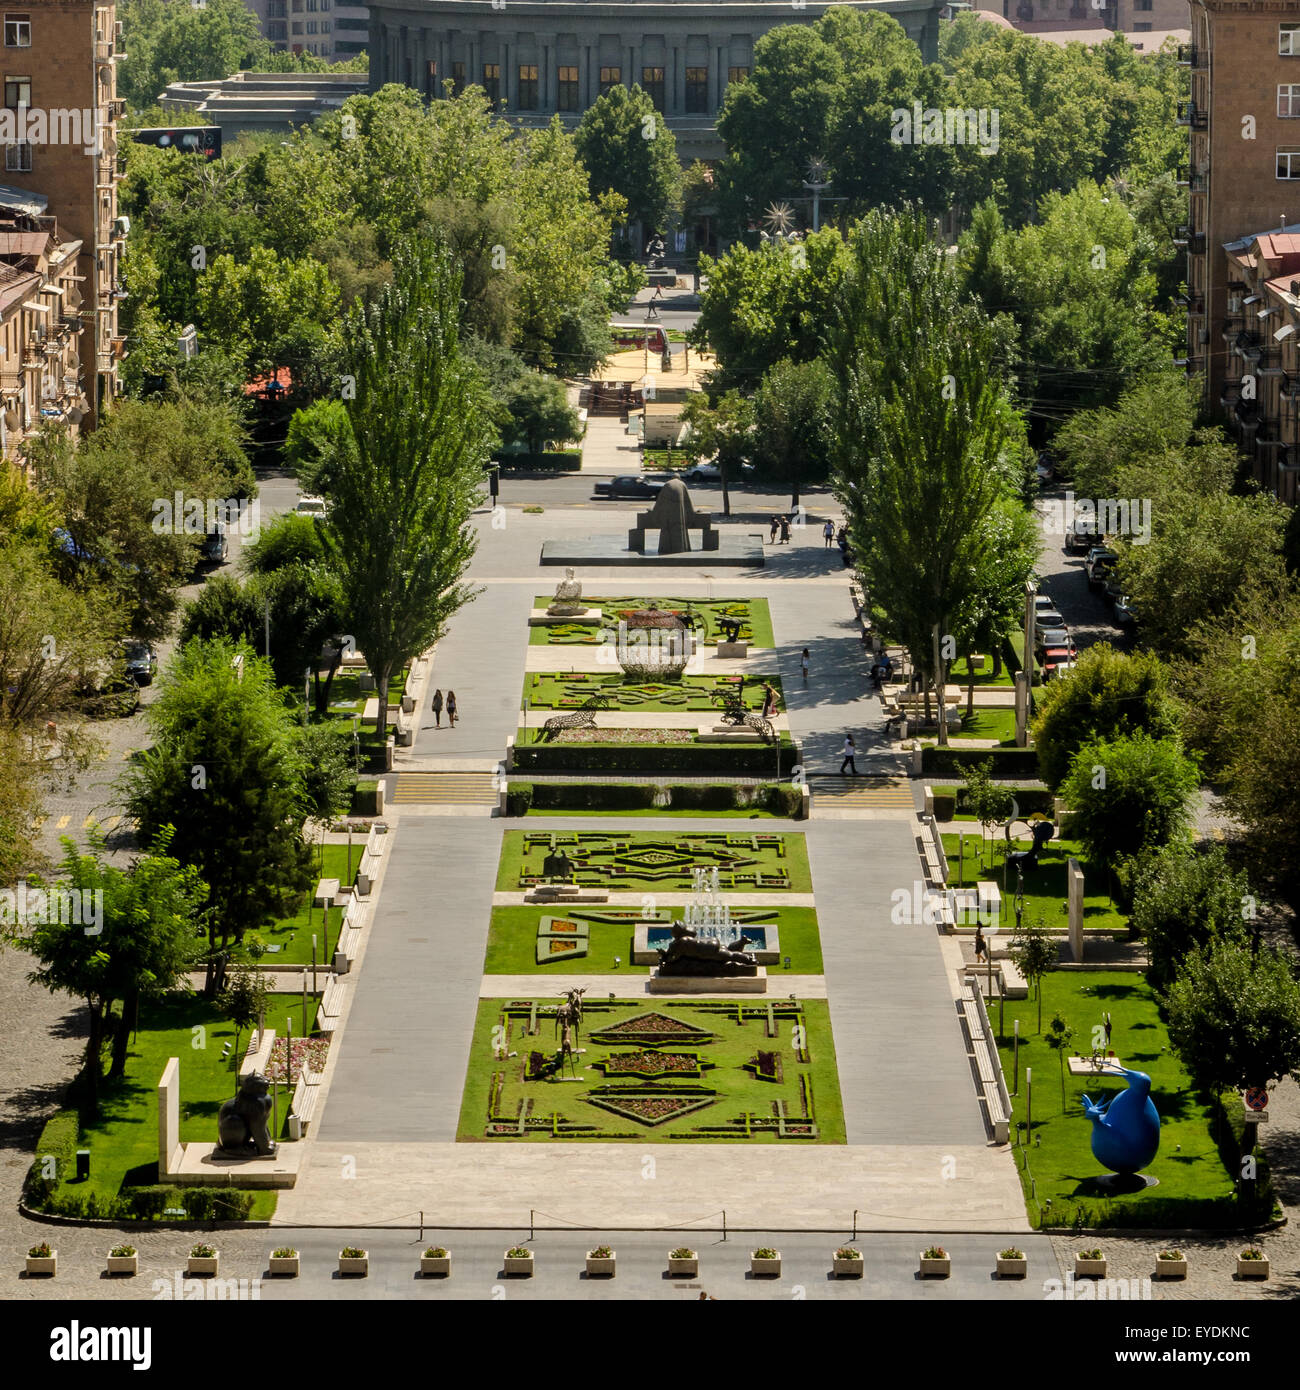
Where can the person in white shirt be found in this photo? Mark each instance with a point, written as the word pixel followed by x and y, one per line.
pixel 850 752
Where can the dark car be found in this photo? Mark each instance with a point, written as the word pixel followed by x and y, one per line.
pixel 215 548
pixel 1081 535
pixel 141 662
pixel 629 486
pixel 1098 565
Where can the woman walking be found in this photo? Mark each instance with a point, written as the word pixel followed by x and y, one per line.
pixel 785 530
pixel 773 528
pixel 451 708
pixel 803 664
pixel 436 705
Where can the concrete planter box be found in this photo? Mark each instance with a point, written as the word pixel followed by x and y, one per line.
pixel 935 1269
pixel 847 1269
pixel 601 1266
pixel 435 1264
pixel 765 1269
pixel 286 1266
pixel 124 1264
pixel 685 1265
pixel 203 1264
pixel 1013 1269
pixel 355 1264
pixel 1089 1269
pixel 519 1265
pixel 1172 1269
pixel 1246 1269
pixel 47 1264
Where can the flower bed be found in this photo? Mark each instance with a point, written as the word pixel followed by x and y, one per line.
pixel 308 1052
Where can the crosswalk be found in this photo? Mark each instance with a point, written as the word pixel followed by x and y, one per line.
pixel 444 789
pixel 862 793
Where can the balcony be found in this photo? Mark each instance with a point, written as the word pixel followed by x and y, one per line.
pixel 1190 115
pixel 1192 242
pixel 1194 304
pixel 1190 56
pixel 1248 345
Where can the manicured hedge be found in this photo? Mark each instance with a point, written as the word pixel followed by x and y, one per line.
pixel 58 1139
pixel 953 762
pixel 565 461
pixel 734 759
pixel 149 1203
pixel 1030 800
pixel 781 799
pixel 365 798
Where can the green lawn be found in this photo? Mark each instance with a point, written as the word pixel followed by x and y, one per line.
pixel 123 1139
pixel 293 934
pixel 665 458
pixel 660 862
pixel 347 699
pixel 690 813
pixel 562 691
pixel 753 613
pixel 959 674
pixel 1045 886
pixel 512 940
pixel 724 1092
pixel 1195 1186
pixel 989 723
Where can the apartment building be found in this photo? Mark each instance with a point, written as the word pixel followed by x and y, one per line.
pixel 1128 16
pixel 326 28
pixel 57 127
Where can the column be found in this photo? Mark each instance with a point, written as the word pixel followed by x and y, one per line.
pixel 474 59
pixel 508 50
pixel 675 77
pixel 585 96
pixel 548 94
pixel 717 71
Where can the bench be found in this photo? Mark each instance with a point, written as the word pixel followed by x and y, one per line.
pixel 938 912
pixel 326 894
pixel 331 1006
pixel 1014 984
pixel 305 1095
pixel 345 952
pixel 987 1064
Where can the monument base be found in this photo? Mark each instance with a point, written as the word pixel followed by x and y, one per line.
pixel 541 617
pixel 708 984
pixel 202 1164
pixel 733 651
pixel 737 552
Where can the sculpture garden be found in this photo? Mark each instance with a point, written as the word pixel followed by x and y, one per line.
pixel 705 615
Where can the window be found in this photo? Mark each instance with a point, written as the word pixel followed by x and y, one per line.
pixel 297 27
pixel 276 29
pixel 311 6
pixel 1142 28
pixel 652 84
pixel 610 77
pixel 311 26
pixel 1288 99
pixel 297 6
pixel 528 86
pixel 1288 40
pixel 1288 162
pixel 492 81
pixel 18 31
pixel 275 9
pixel 568 89
pixel 18 91
pixel 1141 4
pixel 737 74
pixel 326 4
pixel 697 90
pixel 431 78
pixel 325 26
pixel 18 158
pixel 458 76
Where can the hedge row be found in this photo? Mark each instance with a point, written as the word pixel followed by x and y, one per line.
pixel 565 461
pixel 149 1203
pixel 954 762
pixel 1031 801
pixel 59 1141
pixel 365 798
pixel 733 759
pixel 779 798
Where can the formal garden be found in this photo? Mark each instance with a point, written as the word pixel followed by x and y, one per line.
pixel 705 615
pixel 569 690
pixel 1196 1166
pixel 754 1071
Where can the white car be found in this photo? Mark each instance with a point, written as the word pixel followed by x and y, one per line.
pixel 311 506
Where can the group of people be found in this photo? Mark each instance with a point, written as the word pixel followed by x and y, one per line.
pixel 781 524
pixel 438 704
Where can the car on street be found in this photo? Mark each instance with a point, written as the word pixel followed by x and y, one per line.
pixel 1053 637
pixel 711 473
pixel 1123 613
pixel 215 548
pixel 1081 535
pixel 141 662
pixel 1048 617
pixel 1098 564
pixel 312 506
pixel 630 485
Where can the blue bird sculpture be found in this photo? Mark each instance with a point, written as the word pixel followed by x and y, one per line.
pixel 1126 1126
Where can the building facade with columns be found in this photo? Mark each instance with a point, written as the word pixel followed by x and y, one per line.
pixel 537 58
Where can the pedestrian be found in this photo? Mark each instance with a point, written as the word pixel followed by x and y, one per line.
pixel 451 708
pixel 436 705
pixel 773 529
pixel 785 530
pixel 1106 1022
pixel 803 664
pixel 769 701
pixel 850 752
pixel 981 953
pixel 828 533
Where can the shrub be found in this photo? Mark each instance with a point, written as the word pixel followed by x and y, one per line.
pixel 1170 1255
pixel 935 1252
pixel 365 798
pixel 43 1251
pixel 945 803
pixel 122 1252
pixel 847 1252
pixel 956 762
pixel 59 1140
pixel 203 1252
pixel 601 1252
pixel 782 799
pixel 435 1252
pixel 519 798
pixel 350 1252
pixel 565 461
pixel 732 759
pixel 765 1252
pixel 1249 1254
pixel 1011 1253
pixel 519 1252
pixel 285 1252
pixel 217 1203
pixel 681 1253
pixel 1091 1255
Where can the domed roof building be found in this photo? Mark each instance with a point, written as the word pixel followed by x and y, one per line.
pixel 535 58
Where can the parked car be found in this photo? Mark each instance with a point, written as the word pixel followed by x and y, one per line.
pixel 1052 637
pixel 628 486
pixel 141 662
pixel 1081 535
pixel 312 506
pixel 1111 588
pixel 1123 613
pixel 711 473
pixel 1099 562
pixel 1048 617
pixel 1057 664
pixel 215 549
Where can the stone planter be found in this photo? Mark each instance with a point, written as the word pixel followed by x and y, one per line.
pixel 519 1265
pixel 1013 1269
pixel 355 1264
pixel 203 1264
pixel 286 1266
pixel 435 1264
pixel 847 1269
pixel 1246 1269
pixel 764 1268
pixel 1172 1269
pixel 46 1264
pixel 935 1269
pixel 1089 1269
pixel 123 1264
pixel 600 1266
pixel 684 1265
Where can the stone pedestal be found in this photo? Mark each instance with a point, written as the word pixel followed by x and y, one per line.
pixel 708 984
pixel 733 651
pixel 1074 885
